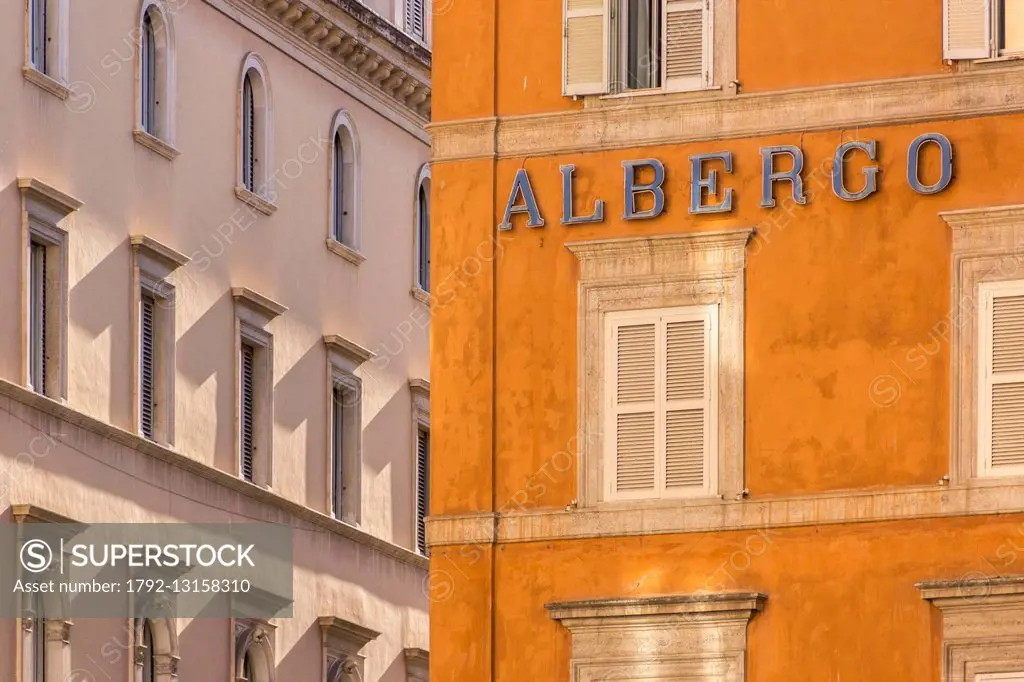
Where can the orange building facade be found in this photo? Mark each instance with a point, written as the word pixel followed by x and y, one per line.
pixel 727 341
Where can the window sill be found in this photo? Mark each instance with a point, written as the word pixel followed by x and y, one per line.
pixel 255 201
pixel 420 295
pixel 346 252
pixel 48 83
pixel 153 143
pixel 620 99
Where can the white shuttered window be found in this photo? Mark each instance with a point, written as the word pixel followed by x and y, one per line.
pixel 586 52
pixel 1001 377
pixel 687 54
pixel 660 399
pixel 982 29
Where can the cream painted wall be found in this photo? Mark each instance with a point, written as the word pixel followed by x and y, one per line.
pixel 84 147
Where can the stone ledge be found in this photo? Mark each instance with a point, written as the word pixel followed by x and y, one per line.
pixel 847 106
pixel 977 498
pixel 269 501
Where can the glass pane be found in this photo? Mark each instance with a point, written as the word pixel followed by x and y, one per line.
pixel 1012 28
pixel 643 44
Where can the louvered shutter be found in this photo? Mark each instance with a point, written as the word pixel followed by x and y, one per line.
pixel 414 18
pixel 1001 417
pixel 687 53
pixel 248 134
pixel 37 320
pixel 337 448
pixel 246 435
pixel 688 403
pixel 147 366
pixel 585 47
pixel 966 29
pixel 633 470
pixel 422 488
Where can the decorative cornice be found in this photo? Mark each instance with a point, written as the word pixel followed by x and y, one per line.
pixel 653 121
pixel 598 611
pixel 947 594
pixel 147 246
pixel 34 188
pixel 345 635
pixel 417 664
pixel 991 228
pixel 268 503
pixel 257 303
pixel 356 41
pixel 36 514
pixel 420 387
pixel 349 350
pixel 976 498
pixel 720 251
pixel 984 216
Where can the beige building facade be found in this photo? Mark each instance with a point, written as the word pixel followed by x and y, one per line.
pixel 214 226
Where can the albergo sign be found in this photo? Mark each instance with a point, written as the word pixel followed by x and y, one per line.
pixel 522 199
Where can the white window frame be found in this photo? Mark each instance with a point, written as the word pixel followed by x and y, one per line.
pixel 661 317
pixel 419 390
pixel 418 291
pixel 673 271
pixel 152 265
pixel 401 23
pixel 253 312
pixel 53 78
pixel 263 194
pixel 45 214
pixel 344 357
pixel 987 291
pixel 985 250
pixel 161 138
pixel 348 248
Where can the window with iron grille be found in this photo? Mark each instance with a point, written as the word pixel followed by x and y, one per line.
pixel 247 399
pixel 422 487
pixel 147 367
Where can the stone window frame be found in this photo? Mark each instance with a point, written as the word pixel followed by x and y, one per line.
pixel 57 626
pixel 165 648
pixel 263 196
pixel 258 635
pixel 54 80
pixel 344 125
pixel 982 625
pixel 152 265
pixel 46 218
pixel 423 179
pixel 253 312
pixel 419 390
pixel 987 246
pixel 669 271
pixel 685 637
pixel 344 358
pixel 417 665
pixel 160 140
pixel 343 643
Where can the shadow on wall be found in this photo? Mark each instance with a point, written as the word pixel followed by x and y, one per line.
pixel 303 385
pixel 301 661
pixel 203 348
pixel 387 454
pixel 99 304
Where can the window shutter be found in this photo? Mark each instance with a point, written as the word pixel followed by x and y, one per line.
pixel 634 411
pixel 422 488
pixel 585 47
pixel 1001 418
pixel 687 404
pixel 246 426
pixel 687 54
pixel 248 135
pixel 414 18
pixel 338 444
pixel 966 29
pixel 38 347
pixel 147 366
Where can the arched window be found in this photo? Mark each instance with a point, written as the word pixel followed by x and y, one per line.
pixel 254 652
pixel 423 229
pixel 156 72
pixel 256 118
pixel 345 182
pixel 156 648
pixel 38 639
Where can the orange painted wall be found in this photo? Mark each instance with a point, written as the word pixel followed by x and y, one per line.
pixel 851 41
